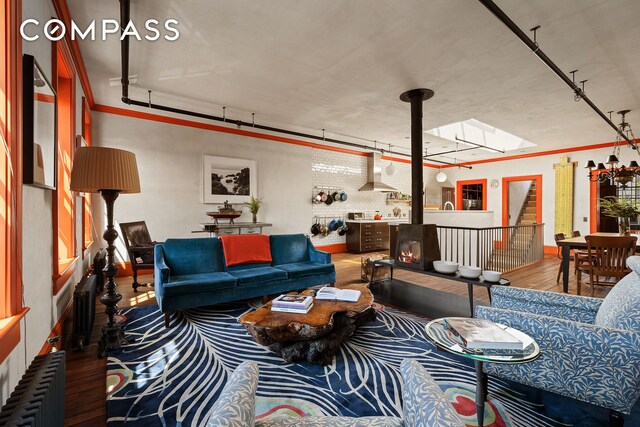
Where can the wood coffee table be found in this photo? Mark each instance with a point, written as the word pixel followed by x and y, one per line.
pixel 315 336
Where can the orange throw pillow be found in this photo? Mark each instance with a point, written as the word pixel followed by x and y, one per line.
pixel 246 248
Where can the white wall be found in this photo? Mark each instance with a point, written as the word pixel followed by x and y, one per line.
pixel 37 240
pixel 542 165
pixel 170 166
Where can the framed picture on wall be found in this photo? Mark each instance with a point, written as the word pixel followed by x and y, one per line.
pixel 226 178
pixel 39 126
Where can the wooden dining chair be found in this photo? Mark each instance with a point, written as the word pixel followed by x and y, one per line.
pixel 607 262
pixel 557 237
pixel 580 256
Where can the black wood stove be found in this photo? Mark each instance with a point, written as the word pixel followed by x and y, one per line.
pixel 417 246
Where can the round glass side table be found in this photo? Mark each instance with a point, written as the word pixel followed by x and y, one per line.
pixel 439 335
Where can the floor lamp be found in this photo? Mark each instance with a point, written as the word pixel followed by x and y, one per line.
pixel 107 171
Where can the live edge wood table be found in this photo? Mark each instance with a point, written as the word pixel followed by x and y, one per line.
pixel 316 336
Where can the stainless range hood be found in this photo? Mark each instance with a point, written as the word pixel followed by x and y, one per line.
pixel 374 175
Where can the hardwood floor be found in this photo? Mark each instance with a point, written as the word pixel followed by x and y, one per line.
pixel 85 397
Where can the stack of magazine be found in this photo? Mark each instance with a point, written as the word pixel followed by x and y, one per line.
pixel 292 304
pixel 481 334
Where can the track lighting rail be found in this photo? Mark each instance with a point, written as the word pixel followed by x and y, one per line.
pixel 535 48
pixel 451 164
pixel 442 153
pixel 476 145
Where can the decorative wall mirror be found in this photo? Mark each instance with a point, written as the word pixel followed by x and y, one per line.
pixel 39 126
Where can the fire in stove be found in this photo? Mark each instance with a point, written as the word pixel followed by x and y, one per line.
pixel 410 252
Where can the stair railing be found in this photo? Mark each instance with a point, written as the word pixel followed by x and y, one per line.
pixel 492 248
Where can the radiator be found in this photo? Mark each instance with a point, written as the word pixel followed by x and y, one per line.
pixel 84 310
pixel 38 400
pixel 99 263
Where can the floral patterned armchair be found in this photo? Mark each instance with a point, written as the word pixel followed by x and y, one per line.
pixel 424 404
pixel 590 347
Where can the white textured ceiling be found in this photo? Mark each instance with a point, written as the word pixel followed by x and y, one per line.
pixel 342 64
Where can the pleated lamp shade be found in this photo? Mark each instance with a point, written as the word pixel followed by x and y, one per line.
pixel 101 168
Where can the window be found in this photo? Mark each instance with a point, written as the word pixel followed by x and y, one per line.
pixel 64 236
pixel 623 190
pixel 11 309
pixel 87 219
pixel 471 195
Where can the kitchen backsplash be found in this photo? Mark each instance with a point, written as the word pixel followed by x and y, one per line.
pixel 348 172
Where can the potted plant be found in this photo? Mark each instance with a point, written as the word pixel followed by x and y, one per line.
pixel 623 209
pixel 254 204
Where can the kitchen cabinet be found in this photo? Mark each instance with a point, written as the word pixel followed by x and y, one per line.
pixel 367 236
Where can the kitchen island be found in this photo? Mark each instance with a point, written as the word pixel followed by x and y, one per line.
pixel 459 218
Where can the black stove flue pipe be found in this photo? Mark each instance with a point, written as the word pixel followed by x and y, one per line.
pixel 125 17
pixel 416 97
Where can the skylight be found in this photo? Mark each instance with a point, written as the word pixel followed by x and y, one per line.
pixel 475 131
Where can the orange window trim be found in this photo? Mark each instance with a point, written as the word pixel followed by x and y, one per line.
pixel 62 11
pixel 64 217
pixel 11 310
pixel 10 334
pixel 59 280
pixel 459 185
pixel 87 223
pixel 87 219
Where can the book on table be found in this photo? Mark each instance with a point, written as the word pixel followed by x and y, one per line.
pixel 335 294
pixel 299 302
pixel 482 334
pixel 292 310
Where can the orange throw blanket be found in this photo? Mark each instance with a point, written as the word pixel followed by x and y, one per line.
pixel 246 248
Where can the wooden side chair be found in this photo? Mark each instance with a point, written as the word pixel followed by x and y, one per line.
pixel 580 257
pixel 139 247
pixel 607 260
pixel 557 237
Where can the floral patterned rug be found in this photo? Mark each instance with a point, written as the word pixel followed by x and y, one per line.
pixel 172 377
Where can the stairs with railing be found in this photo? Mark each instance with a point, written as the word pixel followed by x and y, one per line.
pixel 517 245
pixel 492 248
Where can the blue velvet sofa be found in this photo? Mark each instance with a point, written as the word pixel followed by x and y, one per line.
pixel 193 272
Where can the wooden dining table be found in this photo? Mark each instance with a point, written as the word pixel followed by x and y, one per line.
pixel 576 243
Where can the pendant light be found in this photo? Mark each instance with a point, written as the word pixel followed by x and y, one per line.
pixel 391 168
pixel 441 176
pixel 613 172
